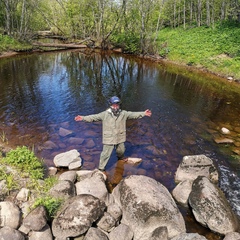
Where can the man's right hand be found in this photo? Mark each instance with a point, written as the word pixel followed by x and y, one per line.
pixel 78 118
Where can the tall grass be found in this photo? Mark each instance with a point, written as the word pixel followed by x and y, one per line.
pixel 10 44
pixel 217 49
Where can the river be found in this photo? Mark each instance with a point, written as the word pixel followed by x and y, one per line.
pixel 41 94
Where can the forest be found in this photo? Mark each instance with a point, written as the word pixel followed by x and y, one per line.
pixel 201 33
pixel 135 23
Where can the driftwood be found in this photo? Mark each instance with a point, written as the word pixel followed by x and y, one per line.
pixel 61 45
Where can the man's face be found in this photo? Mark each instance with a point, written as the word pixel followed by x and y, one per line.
pixel 115 106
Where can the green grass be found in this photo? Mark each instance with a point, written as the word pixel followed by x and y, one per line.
pixel 26 162
pixel 217 50
pixel 10 44
pixel 50 203
pixel 25 165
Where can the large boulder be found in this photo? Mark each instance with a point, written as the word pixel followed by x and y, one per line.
pixel 147 205
pixel 189 236
pixel 10 215
pixel 95 234
pixel 232 236
pixel 45 234
pixel 69 176
pixel 63 189
pixel 36 220
pixel 196 165
pixel 211 208
pixel 11 234
pixel 121 232
pixel 95 185
pixel 77 216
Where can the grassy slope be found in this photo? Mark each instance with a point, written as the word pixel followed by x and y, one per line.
pixel 217 50
pixel 10 44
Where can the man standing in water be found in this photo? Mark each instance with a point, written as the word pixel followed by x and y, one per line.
pixel 113 128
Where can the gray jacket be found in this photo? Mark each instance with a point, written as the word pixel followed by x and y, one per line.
pixel 113 128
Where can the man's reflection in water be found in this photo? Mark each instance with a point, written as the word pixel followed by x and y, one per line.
pixel 118 171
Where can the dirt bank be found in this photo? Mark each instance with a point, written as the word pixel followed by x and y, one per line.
pixel 8 54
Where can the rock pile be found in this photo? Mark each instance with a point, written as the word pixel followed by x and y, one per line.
pixel 139 208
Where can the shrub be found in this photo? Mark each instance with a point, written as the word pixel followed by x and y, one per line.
pixel 25 161
pixel 129 42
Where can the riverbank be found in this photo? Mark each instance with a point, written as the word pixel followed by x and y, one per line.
pixel 210 50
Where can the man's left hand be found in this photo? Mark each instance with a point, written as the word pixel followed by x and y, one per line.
pixel 148 113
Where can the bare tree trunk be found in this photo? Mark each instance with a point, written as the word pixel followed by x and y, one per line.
pixel 199 12
pixel 213 14
pixel 191 12
pixel 102 31
pixel 174 14
pixel 7 16
pixel 22 18
pixel 158 21
pixel 223 10
pixel 207 13
pixel 179 15
pixel 142 26
pixel 184 14
pixel 238 10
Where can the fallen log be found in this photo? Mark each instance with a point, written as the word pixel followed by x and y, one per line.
pixel 59 45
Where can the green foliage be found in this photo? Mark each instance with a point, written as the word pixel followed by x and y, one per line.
pixel 26 161
pixel 27 164
pixel 129 42
pixel 50 203
pixel 49 183
pixel 8 43
pixel 9 178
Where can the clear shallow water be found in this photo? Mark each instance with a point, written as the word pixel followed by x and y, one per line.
pixel 41 93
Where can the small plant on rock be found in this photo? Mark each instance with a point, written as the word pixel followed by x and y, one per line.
pixel 3 137
pixel 11 184
pixel 50 203
pixel 25 160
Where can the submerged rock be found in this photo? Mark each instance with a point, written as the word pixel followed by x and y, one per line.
pixel 65 132
pixel 223 140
